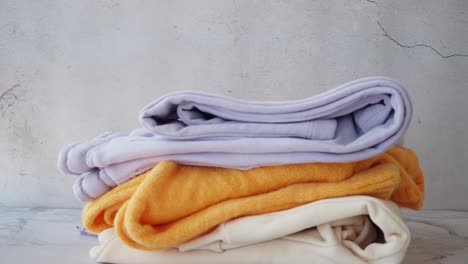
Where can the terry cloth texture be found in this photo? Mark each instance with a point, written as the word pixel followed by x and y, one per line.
pixel 355 229
pixel 173 203
pixel 355 121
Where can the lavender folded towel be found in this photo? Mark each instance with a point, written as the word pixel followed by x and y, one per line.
pixel 354 121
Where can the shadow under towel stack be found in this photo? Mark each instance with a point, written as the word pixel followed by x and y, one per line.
pixel 211 179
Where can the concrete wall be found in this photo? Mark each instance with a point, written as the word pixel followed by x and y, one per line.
pixel 72 69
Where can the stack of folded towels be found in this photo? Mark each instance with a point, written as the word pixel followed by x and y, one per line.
pixel 210 179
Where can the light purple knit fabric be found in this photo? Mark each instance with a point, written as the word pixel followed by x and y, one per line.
pixel 354 121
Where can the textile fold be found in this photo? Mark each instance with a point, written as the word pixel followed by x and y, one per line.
pixel 354 121
pixel 356 229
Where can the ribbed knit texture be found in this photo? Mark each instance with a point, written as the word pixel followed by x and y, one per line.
pixel 172 203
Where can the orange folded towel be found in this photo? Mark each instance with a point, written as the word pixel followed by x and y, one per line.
pixel 172 203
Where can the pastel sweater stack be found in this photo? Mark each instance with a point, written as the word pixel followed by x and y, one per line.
pixel 210 179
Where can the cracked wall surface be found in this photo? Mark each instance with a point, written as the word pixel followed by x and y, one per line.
pixel 70 70
pixel 410 46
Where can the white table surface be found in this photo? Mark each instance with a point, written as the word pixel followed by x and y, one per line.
pixel 48 236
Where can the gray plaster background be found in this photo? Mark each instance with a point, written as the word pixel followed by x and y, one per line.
pixel 72 69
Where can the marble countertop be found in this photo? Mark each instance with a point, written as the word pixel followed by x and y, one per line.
pixel 49 236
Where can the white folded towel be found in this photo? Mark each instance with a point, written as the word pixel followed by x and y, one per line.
pixel 356 229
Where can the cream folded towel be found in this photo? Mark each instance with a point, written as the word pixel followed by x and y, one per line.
pixel 356 229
